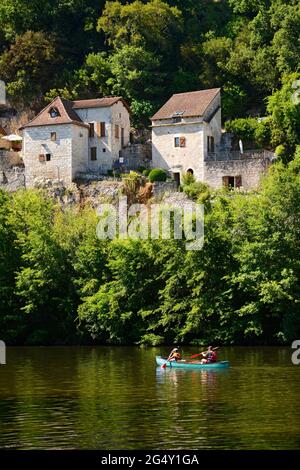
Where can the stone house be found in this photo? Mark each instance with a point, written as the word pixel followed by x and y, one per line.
pixel 187 136
pixel 68 138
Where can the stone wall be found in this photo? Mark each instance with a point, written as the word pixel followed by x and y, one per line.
pixel 136 156
pixel 250 170
pixel 179 159
pixel 37 141
pixel 163 187
pixel 12 179
pixel 9 159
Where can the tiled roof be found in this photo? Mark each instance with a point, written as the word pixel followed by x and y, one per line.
pixel 189 104
pixel 67 113
pixel 98 102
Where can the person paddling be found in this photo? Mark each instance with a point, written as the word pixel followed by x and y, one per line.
pixel 174 355
pixel 209 356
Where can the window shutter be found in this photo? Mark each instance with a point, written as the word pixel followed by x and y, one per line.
pixel 225 181
pixel 238 181
pixel 93 153
pixel 182 141
pixel 92 130
pixel 102 129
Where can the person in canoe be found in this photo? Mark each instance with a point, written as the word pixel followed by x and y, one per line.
pixel 209 356
pixel 174 355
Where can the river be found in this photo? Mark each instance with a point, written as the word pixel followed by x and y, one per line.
pixel 116 398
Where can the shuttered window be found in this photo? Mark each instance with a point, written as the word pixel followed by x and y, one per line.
pixel 93 153
pixel 117 132
pixel 92 130
pixel 210 144
pixel 100 126
pixel 238 181
pixel 232 182
pixel 179 141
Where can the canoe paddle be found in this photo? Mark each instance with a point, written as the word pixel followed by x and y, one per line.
pixel 200 354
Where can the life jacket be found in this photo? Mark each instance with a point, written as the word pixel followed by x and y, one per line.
pixel 176 356
pixel 212 356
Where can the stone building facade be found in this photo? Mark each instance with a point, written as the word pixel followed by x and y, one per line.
pixel 187 137
pixel 185 130
pixel 244 171
pixel 71 137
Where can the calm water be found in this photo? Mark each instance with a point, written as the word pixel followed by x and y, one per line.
pixel 116 398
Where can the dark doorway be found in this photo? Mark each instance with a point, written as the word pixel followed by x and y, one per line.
pixel 176 177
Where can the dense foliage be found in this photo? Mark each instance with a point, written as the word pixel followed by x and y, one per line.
pixel 157 174
pixel 145 50
pixel 60 284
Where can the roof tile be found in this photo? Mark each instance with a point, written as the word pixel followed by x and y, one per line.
pixel 188 104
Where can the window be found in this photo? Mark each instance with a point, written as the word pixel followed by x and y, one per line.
pixel 48 157
pixel 117 132
pixel 182 141
pixel 93 153
pixel 54 112
pixel 122 137
pixel 41 157
pixel 100 129
pixel 53 136
pixel 179 142
pixel 92 130
pixel 176 119
pixel 103 150
pixel 210 144
pixel 232 182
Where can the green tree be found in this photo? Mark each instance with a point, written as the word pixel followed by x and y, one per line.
pixel 284 109
pixel 30 66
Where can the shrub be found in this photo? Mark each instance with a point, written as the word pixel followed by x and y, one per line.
pixel 243 128
pixel 280 151
pixel 195 189
pixel 157 174
pixel 146 172
pixel 141 169
pixel 188 178
pixel 262 133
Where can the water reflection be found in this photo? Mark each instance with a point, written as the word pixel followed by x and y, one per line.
pixel 116 398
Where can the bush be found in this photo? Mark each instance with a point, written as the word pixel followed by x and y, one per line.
pixel 242 128
pixel 280 152
pixel 146 172
pixel 262 133
pixel 188 178
pixel 157 174
pixel 195 189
